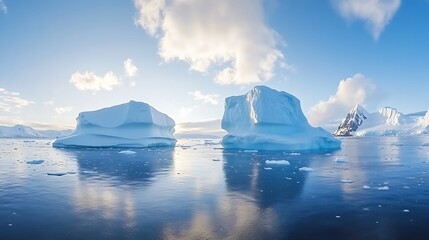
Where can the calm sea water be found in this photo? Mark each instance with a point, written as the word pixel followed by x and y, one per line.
pixel 199 191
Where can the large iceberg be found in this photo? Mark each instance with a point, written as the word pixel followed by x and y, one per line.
pixel 133 124
pixel 266 119
pixel 22 131
pixel 387 121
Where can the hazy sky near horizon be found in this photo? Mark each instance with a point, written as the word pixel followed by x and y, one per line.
pixel 60 57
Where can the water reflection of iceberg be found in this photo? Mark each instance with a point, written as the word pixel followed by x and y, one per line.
pixel 110 165
pixel 248 173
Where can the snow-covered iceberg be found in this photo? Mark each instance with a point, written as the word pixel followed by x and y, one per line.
pixel 133 124
pixel 387 121
pixel 266 119
pixel 22 131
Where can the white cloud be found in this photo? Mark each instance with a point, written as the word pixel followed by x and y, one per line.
pixel 61 110
pixel 90 81
pixel 351 91
pixel 205 98
pixel 184 111
pixel 375 13
pixel 230 36
pixel 129 68
pixel 3 7
pixel 11 101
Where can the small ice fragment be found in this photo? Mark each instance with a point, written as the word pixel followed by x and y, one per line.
pixel 406 187
pixel 346 181
pixel 250 151
pixel 128 152
pixel 328 154
pixel 366 187
pixel 340 160
pixel 35 162
pixel 57 174
pixel 306 169
pixel 365 209
pixel 10 224
pixel 288 178
pixel 268 168
pixel 295 154
pixel 278 162
pixel 337 216
pixel 385 188
pixel 406 210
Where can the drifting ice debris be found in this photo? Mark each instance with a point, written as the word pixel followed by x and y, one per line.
pixel 35 162
pixel 266 119
pixel 250 151
pixel 277 162
pixel 306 169
pixel 295 154
pixel 366 187
pixel 346 181
pixel 127 152
pixel 340 160
pixel 268 168
pixel 385 188
pixel 406 210
pixel 59 174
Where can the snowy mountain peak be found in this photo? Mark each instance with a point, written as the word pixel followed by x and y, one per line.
pixel 353 120
pixel 393 116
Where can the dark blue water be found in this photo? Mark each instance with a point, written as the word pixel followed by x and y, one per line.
pixel 182 193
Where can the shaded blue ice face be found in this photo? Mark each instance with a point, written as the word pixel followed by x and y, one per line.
pixel 198 190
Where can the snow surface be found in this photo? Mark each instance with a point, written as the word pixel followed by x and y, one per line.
pixel 386 122
pixel 266 119
pixel 132 124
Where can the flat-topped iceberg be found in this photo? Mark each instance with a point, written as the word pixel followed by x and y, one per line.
pixel 133 124
pixel 266 119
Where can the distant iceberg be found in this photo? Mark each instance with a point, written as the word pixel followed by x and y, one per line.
pixel 131 125
pixel 22 131
pixel 266 119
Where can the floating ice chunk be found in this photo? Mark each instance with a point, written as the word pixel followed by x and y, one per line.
pixel 337 216
pixel 59 174
pixel 288 178
pixel 277 162
pixel 250 151
pixel 406 187
pixel 406 210
pixel 268 168
pixel 340 160
pixel 365 209
pixel 35 162
pixel 346 181
pixel 384 188
pixel 295 154
pixel 366 187
pixel 127 152
pixel 306 169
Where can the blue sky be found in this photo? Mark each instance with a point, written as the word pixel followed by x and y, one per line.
pixel 59 58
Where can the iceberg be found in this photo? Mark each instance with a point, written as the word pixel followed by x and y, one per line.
pixel 387 121
pixel 129 125
pixel 22 131
pixel 266 119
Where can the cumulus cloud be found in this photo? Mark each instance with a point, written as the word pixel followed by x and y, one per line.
pixel 228 36
pixel 205 98
pixel 61 110
pixel 375 13
pixel 11 101
pixel 351 91
pixel 3 7
pixel 129 68
pixel 90 81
